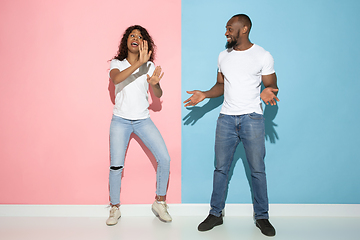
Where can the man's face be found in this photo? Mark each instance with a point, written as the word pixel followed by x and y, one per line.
pixel 232 32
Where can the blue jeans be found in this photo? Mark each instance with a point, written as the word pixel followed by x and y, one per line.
pixel 145 129
pixel 230 130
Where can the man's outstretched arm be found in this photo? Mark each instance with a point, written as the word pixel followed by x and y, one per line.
pixel 216 91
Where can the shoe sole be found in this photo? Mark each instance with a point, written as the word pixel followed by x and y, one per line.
pixel 157 215
pixel 257 225
pixel 204 230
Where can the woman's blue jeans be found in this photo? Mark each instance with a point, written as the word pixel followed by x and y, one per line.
pixel 145 129
pixel 230 130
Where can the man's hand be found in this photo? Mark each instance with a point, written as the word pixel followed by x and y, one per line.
pixel 156 76
pixel 268 95
pixel 197 96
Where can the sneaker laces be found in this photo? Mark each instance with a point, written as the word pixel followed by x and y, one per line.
pixel 164 205
pixel 112 211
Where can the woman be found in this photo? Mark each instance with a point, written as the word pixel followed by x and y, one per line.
pixel 132 71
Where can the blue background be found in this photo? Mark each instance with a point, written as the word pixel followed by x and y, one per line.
pixel 312 136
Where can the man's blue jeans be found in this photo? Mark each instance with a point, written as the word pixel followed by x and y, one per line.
pixel 230 130
pixel 145 129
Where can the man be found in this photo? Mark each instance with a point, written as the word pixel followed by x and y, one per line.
pixel 242 68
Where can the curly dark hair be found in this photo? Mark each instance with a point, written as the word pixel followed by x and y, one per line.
pixel 123 49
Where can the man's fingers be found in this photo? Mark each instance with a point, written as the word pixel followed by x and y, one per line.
pixel 273 101
pixel 187 100
pixel 190 101
pixel 190 104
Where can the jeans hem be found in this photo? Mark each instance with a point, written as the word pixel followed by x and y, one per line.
pixel 215 214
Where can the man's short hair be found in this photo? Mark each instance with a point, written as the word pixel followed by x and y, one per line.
pixel 244 19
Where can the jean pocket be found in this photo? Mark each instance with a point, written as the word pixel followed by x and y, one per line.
pixel 256 116
pixel 221 115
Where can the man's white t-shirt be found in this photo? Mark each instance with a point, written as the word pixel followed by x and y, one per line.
pixel 131 95
pixel 242 72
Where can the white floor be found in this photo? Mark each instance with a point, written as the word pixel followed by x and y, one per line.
pixel 292 222
pixel 91 228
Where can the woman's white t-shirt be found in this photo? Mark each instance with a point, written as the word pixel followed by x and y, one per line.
pixel 131 95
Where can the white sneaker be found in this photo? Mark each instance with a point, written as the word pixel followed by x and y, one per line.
pixel 160 210
pixel 114 216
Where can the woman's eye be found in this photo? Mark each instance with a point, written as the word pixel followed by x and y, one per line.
pixel 140 37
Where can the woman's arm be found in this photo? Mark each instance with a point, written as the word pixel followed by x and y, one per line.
pixel 154 81
pixel 118 76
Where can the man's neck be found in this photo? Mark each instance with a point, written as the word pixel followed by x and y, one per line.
pixel 245 45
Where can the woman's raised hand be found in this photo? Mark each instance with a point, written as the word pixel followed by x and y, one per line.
pixel 156 76
pixel 144 53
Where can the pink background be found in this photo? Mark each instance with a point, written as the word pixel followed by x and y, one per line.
pixel 56 103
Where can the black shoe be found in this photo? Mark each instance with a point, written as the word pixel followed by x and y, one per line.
pixel 265 227
pixel 210 222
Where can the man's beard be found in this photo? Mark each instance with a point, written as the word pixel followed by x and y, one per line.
pixel 230 44
pixel 233 41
